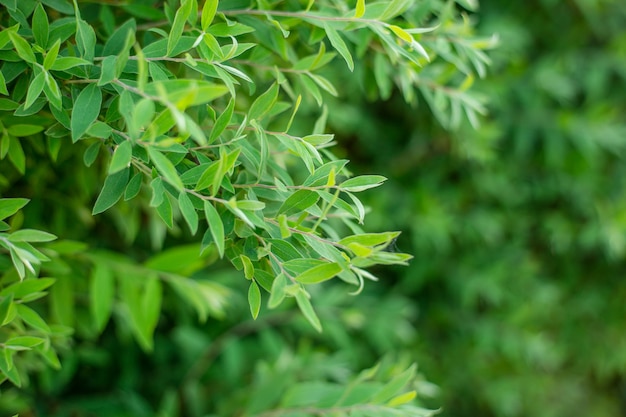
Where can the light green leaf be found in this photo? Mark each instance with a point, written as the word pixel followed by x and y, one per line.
pixel 188 211
pixel 393 387
pixel 34 89
pixel 248 268
pixel 24 130
pixel 360 9
pixel 10 206
pixel 254 299
pixel 319 273
pixel 338 43
pixel 277 295
pixel 32 318
pixel 66 62
pixel 51 55
pixel 216 226
pixel 264 103
pixel 179 25
pixel 85 110
pixel 165 168
pixel 30 235
pixel 362 182
pixel 222 122
pixel 370 239
pixel 324 83
pixel 22 47
pixel 302 298
pixel 23 342
pixel 121 157
pixel 113 189
pixel 208 13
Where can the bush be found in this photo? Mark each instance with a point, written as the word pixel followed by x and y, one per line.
pixel 129 125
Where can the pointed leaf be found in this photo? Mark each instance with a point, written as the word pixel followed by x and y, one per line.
pixel 113 189
pixel 85 110
pixel 254 299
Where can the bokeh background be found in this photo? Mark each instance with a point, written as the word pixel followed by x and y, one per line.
pixel 519 227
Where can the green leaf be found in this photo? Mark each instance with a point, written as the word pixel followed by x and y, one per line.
pixel 91 153
pixel 264 103
pixel 121 157
pixel 222 122
pixel 23 342
pixel 208 13
pixel 10 206
pixel 5 309
pixel 277 295
pixel 8 368
pixel 85 39
pixel 66 62
pixel 113 189
pixel 188 211
pixel 179 25
pixel 133 187
pixel 370 239
pixel 24 130
pixel 164 210
pixel 302 298
pixel 40 26
pixel 338 43
pixel 22 47
pixel 248 268
pixel 30 235
pixel 85 110
pixel 360 9
pixel 34 89
pixel 401 33
pixel 22 289
pixel 165 168
pixel 3 85
pixel 51 55
pixel 254 299
pixel 362 182
pixel 319 273
pixel 215 225
pixel 299 202
pixel 32 318
pixel 107 70
pixel 324 83
pixel 101 293
pixel 393 387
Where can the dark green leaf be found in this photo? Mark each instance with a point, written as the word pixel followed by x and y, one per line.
pixel 40 26
pixel 113 189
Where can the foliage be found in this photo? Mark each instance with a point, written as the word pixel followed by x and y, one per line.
pixel 127 126
pixel 517 228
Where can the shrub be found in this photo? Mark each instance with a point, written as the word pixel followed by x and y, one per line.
pixel 156 139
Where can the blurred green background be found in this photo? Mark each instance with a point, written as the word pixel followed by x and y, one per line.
pixel 518 228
